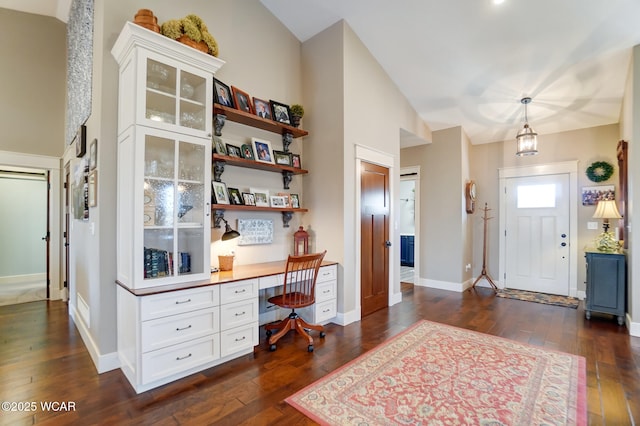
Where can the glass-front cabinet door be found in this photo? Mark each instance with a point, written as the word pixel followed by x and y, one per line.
pixel 176 208
pixel 176 97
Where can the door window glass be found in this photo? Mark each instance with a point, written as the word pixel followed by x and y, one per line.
pixel 536 196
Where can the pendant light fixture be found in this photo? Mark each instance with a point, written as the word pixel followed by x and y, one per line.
pixel 527 139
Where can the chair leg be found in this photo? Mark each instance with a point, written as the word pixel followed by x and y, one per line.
pixel 316 327
pixel 300 329
pixel 283 328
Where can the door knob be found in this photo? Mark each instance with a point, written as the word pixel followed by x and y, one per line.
pixel 387 243
pixel 563 244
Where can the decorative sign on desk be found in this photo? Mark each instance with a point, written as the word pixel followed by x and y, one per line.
pixel 255 231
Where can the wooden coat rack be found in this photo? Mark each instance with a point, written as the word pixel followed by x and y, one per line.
pixel 484 274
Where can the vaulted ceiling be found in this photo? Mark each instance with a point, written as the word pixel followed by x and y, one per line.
pixel 469 62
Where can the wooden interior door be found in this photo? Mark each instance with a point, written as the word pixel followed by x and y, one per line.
pixel 374 244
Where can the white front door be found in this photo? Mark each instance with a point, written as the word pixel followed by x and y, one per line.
pixel 537 233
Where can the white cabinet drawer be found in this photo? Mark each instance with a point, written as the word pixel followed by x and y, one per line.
pixel 271 281
pixel 325 291
pixel 237 339
pixel 326 310
pixel 327 273
pixel 176 359
pixel 240 290
pixel 239 313
pixel 166 331
pixel 177 302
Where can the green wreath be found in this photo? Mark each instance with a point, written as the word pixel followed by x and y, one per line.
pixel 599 171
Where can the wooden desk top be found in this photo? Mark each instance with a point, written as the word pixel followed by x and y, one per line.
pixel 240 272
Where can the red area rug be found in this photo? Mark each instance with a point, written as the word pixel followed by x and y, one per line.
pixel 434 374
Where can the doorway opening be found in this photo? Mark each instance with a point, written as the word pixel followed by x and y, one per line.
pixel 24 269
pixel 409 224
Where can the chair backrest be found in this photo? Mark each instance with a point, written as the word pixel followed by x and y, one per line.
pixel 300 279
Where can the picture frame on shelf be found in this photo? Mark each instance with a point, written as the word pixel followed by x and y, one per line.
pixel 280 112
pixel 219 192
pixel 262 109
pixel 93 154
pixel 282 158
pixel 249 199
pixel 295 201
pixel 261 197
pixel 277 201
pixel 235 197
pixel 296 161
pixel 263 151
pixel 287 200
pixel 247 152
pixel 234 151
pixel 222 94
pixel 219 146
pixel 81 141
pixel 242 100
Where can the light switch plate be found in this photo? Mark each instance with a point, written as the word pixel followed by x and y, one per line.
pixel 592 225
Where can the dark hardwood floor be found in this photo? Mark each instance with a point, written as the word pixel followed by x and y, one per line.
pixel 42 358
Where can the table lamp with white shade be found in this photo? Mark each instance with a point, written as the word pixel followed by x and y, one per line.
pixel 606 210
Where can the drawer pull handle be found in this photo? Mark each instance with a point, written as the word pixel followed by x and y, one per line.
pixel 239 314
pixel 183 328
pixel 326 310
pixel 327 291
pixel 241 291
pixel 240 340
pixel 180 302
pixel 180 358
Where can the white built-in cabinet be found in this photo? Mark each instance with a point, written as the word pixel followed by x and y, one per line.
pixel 165 110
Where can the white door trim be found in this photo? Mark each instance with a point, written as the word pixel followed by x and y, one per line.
pixel 369 155
pixel 52 164
pixel 565 167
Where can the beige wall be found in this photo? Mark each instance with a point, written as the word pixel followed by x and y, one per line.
pixel 32 83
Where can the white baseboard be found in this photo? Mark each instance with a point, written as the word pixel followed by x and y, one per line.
pixel 348 317
pixel 441 285
pixel 633 327
pixel 103 363
pixel 395 298
pixel 26 278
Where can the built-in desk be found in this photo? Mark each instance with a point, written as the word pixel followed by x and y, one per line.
pixel 168 332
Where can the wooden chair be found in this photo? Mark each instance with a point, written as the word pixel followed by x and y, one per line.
pixel 299 290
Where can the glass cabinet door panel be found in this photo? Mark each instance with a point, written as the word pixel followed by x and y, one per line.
pixel 192 101
pixel 161 92
pixel 159 202
pixel 159 261
pixel 192 162
pixel 159 157
pixel 190 251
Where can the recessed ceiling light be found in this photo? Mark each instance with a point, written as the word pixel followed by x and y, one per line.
pixel 498 1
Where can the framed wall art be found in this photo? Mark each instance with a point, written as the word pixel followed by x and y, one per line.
pixel 255 231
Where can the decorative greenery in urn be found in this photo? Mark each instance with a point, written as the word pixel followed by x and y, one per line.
pixel 192 31
pixel 297 112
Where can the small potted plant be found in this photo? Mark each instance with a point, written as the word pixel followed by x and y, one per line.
pixel 297 112
pixel 192 31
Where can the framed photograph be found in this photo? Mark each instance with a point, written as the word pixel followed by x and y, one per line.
pixel 277 201
pixel 242 100
pixel 93 188
pixel 287 202
pixel 261 108
pixel 235 197
pixel 219 192
pixel 233 151
pixel 262 150
pixel 592 194
pixel 249 199
pixel 295 161
pixel 261 196
pixel 81 141
pixel 280 112
pixel 219 146
pixel 295 201
pixel 222 94
pixel 247 151
pixel 93 154
pixel 282 158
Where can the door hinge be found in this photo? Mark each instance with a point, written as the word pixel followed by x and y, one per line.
pixel 64 185
pixel 64 284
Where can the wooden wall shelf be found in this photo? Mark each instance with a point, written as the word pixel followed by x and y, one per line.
pixel 253 164
pixel 256 208
pixel 252 120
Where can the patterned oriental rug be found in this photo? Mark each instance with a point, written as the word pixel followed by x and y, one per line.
pixel 548 299
pixel 435 374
